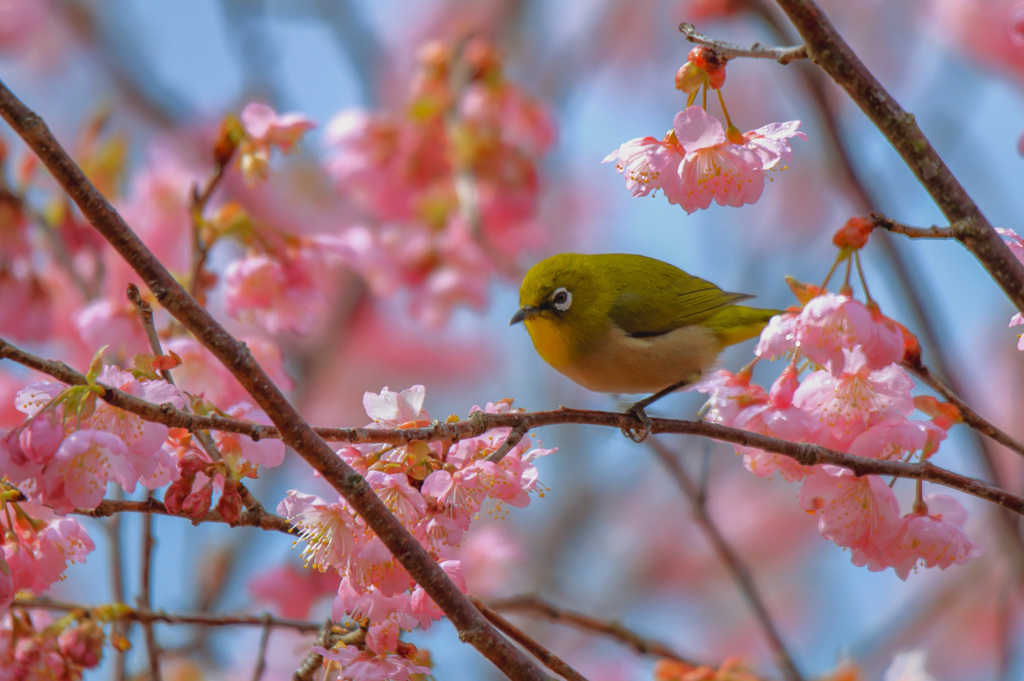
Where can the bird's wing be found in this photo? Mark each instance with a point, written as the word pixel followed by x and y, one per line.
pixel 667 301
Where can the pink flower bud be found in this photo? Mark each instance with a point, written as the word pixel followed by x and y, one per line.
pixel 230 503
pixel 174 497
pixel 82 645
pixel 198 503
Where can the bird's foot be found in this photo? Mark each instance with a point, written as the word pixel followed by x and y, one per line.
pixel 640 433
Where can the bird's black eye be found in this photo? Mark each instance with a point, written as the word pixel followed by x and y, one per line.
pixel 561 299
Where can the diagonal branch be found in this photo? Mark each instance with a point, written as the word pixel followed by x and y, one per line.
pixel 541 608
pixel 730 559
pixel 829 51
pixel 236 357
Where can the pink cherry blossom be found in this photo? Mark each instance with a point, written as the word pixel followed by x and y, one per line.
pixel 770 142
pixel 894 438
pixel 456 494
pixel 831 323
pixel 39 552
pixel 356 665
pixel 777 418
pixel 649 164
pixel 26 314
pixel 106 323
pixel 847 404
pixel 859 513
pixel 935 538
pixel 271 129
pixel 728 395
pixel 372 565
pixel 403 500
pixel 267 452
pixel 389 409
pixel 86 461
pixel 778 337
pixel 714 167
pixel 423 606
pixel 327 529
pixel 283 290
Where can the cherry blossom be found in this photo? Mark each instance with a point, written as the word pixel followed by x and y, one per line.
pixel 934 538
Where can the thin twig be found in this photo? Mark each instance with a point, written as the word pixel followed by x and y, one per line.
pixel 517 433
pixel 539 607
pixel 933 232
pixel 247 518
pixel 546 657
pixel 730 559
pixel 201 249
pixel 122 613
pixel 261 649
pixel 783 55
pixel 314 661
pixel 144 601
pixel 970 417
pixel 145 311
pixel 113 530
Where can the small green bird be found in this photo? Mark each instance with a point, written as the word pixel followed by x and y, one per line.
pixel 624 323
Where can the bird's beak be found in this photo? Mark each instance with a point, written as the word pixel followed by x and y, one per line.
pixel 525 312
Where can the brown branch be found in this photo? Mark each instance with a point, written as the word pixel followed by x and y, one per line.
pixel 933 232
pixel 830 52
pixel 783 55
pixel 200 249
pixel 546 657
pixel 479 423
pixel 144 601
pixel 730 559
pixel 261 650
pixel 125 614
pixel 541 608
pixel 247 518
pixel 473 628
pixel 970 417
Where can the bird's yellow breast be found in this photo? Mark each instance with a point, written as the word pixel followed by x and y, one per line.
pixel 550 342
pixel 619 363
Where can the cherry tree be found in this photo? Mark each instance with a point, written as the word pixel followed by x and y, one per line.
pixel 237 330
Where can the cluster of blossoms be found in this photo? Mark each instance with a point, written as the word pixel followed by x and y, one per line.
pixel 855 398
pixel 32 649
pixel 37 547
pixel 435 490
pixel 71 445
pixel 699 160
pixel 449 185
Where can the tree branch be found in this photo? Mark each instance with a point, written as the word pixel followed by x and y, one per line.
pixel 546 657
pixel 479 423
pixel 783 55
pixel 730 559
pixel 933 232
pixel 830 52
pixel 541 608
pixel 473 628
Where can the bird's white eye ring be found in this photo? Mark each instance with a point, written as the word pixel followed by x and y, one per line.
pixel 561 299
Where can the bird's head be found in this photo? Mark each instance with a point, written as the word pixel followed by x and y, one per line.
pixel 560 304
